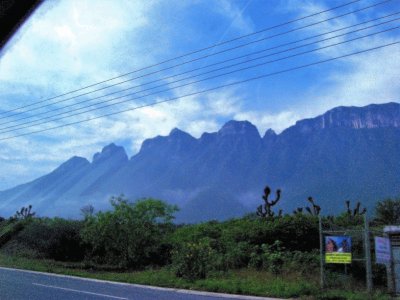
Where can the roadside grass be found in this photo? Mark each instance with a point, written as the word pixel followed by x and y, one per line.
pixel 245 281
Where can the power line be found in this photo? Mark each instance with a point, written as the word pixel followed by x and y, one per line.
pixel 184 63
pixel 200 74
pixel 51 118
pixel 208 90
pixel 204 49
pixel 200 50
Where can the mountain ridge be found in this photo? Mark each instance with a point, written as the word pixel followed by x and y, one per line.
pixel 345 152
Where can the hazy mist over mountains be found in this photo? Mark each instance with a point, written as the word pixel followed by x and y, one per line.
pixel 348 153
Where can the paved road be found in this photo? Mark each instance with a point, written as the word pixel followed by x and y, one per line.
pixel 18 284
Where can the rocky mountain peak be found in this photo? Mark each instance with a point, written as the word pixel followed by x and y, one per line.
pixel 176 133
pixel 212 176
pixel 269 134
pixel 110 151
pixel 238 128
pixel 176 141
pixel 73 163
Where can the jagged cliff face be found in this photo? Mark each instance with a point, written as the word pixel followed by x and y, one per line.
pixel 346 153
pixel 371 116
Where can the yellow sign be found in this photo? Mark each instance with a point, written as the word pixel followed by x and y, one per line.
pixel 338 250
pixel 337 258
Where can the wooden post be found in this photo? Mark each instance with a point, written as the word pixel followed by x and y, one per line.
pixel 367 246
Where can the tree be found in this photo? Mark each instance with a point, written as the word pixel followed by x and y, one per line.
pixel 132 235
pixel 388 212
pixel 87 211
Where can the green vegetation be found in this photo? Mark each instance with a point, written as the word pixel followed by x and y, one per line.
pixel 137 242
pixel 388 211
pixel 245 281
pixel 132 235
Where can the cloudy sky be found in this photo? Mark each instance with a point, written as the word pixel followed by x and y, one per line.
pixel 70 44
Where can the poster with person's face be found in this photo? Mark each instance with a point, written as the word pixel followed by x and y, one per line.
pixel 338 249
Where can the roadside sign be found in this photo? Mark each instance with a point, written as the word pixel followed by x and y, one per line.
pixel 338 249
pixel 382 250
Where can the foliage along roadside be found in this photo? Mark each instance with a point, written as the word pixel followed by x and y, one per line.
pixel 245 281
pixel 141 235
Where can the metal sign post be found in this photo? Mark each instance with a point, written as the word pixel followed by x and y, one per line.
pixel 330 252
pixel 321 251
pixel 367 247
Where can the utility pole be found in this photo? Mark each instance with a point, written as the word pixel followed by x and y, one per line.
pixel 367 247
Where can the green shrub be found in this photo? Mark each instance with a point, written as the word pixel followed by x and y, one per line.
pixel 268 257
pixel 305 263
pixel 388 212
pixel 9 229
pixel 55 238
pixel 237 255
pixel 132 235
pixel 193 260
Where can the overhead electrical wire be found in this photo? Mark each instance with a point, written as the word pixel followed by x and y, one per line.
pixel 207 48
pixel 169 89
pixel 186 62
pixel 200 74
pixel 210 89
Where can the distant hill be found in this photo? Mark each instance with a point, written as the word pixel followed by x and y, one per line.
pixel 347 153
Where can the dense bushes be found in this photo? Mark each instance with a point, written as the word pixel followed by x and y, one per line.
pixel 52 238
pixel 132 235
pixel 141 234
pixel 8 229
pixel 268 257
pixel 388 212
pixel 299 232
pixel 241 243
pixel 193 260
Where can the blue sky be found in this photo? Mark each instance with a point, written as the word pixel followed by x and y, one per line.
pixel 69 44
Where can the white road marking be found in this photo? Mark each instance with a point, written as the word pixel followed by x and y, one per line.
pixel 78 291
pixel 141 286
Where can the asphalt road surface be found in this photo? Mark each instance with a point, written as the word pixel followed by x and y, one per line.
pixel 18 284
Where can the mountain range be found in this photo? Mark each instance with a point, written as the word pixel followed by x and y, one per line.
pixel 348 153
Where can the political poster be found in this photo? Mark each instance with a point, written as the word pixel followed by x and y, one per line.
pixel 338 249
pixel 382 250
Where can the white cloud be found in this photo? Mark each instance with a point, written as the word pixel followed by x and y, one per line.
pixel 240 22
pixel 76 43
pixel 194 114
pixel 358 80
pixel 266 120
pixel 78 40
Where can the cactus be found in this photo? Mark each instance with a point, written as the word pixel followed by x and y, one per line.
pixel 24 213
pixel 356 211
pixel 265 211
pixel 316 209
pixel 298 210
